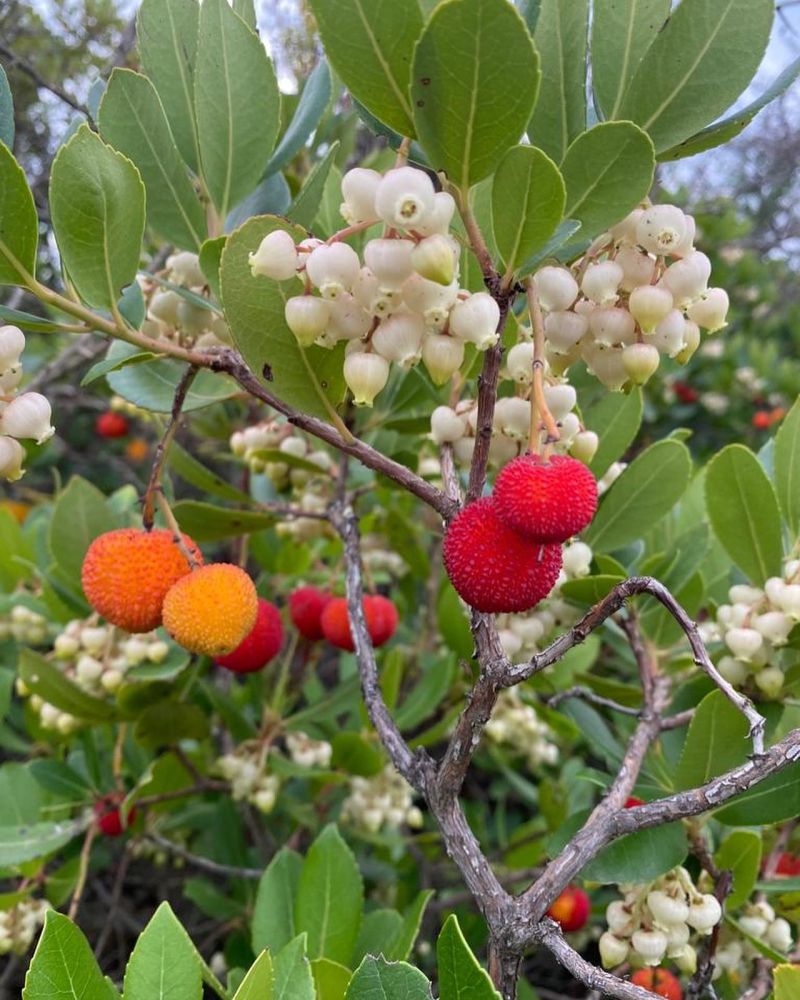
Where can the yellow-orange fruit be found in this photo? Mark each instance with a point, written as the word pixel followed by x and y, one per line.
pixel 211 610
pixel 126 575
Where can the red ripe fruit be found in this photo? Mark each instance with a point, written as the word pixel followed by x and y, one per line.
pixel 547 500
pixel 111 425
pixel 260 645
pixel 306 605
pixel 659 981
pixel 493 568
pixel 761 420
pixel 380 614
pixel 631 802
pixel 788 864
pixel 571 909
pixel 109 818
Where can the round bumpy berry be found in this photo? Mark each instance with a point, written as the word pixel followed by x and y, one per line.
pixel 659 981
pixel 306 605
pixel 492 567
pixel 211 610
pixel 109 817
pixel 260 645
pixel 380 615
pixel 571 909
pixel 547 500
pixel 111 425
pixel 126 575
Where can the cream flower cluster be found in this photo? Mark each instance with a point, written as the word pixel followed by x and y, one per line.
pixel 20 924
pixel 246 771
pixel 384 801
pixel 23 416
pixel 308 752
pixel 24 625
pixel 514 724
pixel 735 953
pixel 754 627
pixel 640 291
pixel 175 317
pixel 654 922
pixel 400 302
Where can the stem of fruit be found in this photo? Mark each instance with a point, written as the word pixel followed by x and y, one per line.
pixel 116 760
pixel 540 411
pixel 83 869
pixel 174 527
pixel 278 695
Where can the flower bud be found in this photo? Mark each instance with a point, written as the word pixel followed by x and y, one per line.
pixel 184 268
pixel 774 626
pixel 475 319
pixel 613 951
pixel 359 187
pixel 687 279
pixel 192 318
pixel 435 258
pixel 12 455
pixel 704 913
pixel 399 338
pixel 666 909
pixel 640 361
pixel 650 945
pixel 10 379
pixel 669 334
pixel 734 671
pixel 710 310
pixel 519 363
pixel 442 355
pixel 779 934
pixel 164 307
pixel 560 399
pixel 637 268
pixel 12 344
pixel 28 416
pixel 439 218
pixel 661 228
pixel 111 680
pixel 790 600
pixel 691 341
pixel 569 426
pixel 753 925
pixel 390 261
pixel 333 269
pixel 365 374
pixel 677 937
pixel 565 330
pixel 306 316
pixel 275 258
pixel 770 681
pixel 729 956
pixel 612 327
pixel 556 287
pixel 446 425
pixel 346 320
pixel 649 305
pixel 625 231
pixel 601 281
pixel 432 300
pixel 619 918
pixel 404 198
pixel 686 960
pixel 744 643
pixel 512 417
pixel 605 363
pixel 88 669
pixel 585 446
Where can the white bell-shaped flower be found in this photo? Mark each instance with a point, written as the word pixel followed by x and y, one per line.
pixel 775 626
pixel 12 455
pixel 275 258
pixel 346 319
pixel 606 364
pixel 12 344
pixel 744 643
pixel 650 945
pixel 28 416
pixel 770 681
pixel 779 934
pixel 669 334
pixel 640 361
pixel 442 355
pixel 648 305
pixel 359 187
pixel 584 446
pixel 564 330
pixel 666 908
pixel 661 228
pixel 556 287
pixel 390 261
pixel 612 327
pixel 638 268
pixel 519 363
pixel 601 282
pixel 306 316
pixel 431 300
pixel 446 425
pixel 560 399
pixel 399 338
pixel 184 269
pixel 440 216
pixel 705 913
pixel 710 310
pixel 475 319
pixel 691 341
pixel 333 269
pixel 613 950
pixel 625 232
pixel 512 417
pixel 436 258
pixel 404 198
pixel 164 307
pixel 687 278
pixel 365 374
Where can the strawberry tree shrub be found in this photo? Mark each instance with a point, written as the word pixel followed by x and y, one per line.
pixel 402 657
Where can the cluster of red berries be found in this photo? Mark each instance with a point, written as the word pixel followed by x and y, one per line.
pixel 319 615
pixel 503 552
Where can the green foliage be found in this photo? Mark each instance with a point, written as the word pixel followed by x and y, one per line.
pixel 163 965
pixel 716 742
pixel 377 979
pixel 787 467
pixel 63 963
pixel 740 853
pixel 460 975
pixel 6 112
pixel 18 221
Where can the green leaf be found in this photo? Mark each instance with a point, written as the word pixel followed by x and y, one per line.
pixel 643 494
pixel 271 197
pixel 167 34
pixel 210 258
pixel 330 979
pixel 460 975
pixel 527 203
pixel 247 12
pixel 640 856
pixel 192 471
pixel 306 206
pixel 293 979
pixel 377 979
pixel 378 930
pixel 787 467
pixel 19 226
pixel 356 755
pixel 21 794
pixel 616 419
pixel 27 321
pixel 330 898
pixel 206 523
pixel 740 852
pixel 46 680
pixel 63 965
pixel 607 171
pixel 310 108
pixel 558 243
pixel 786 981
pixel 699 63
pixel 560 112
pixel 132 119
pixel 258 983
pixel 80 514
pixel 590 589
pixel 108 365
pixel 168 721
pixel 152 384
pixel 452 621
pixel 400 949
pixel 35 840
pixel 772 800
pixel 474 84
pixel 715 743
pixel 237 104
pixel 622 32
pixel 164 964
pixel 60 779
pixel 273 924
pixel 369 45
pixel 6 111
pixel 97 204
pixel 310 379
pixel 743 511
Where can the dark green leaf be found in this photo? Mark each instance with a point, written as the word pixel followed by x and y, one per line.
pixel 192 471
pixel 460 975
pixel 615 419
pixel 164 964
pixel 740 852
pixel 46 680
pixel 206 523
pixel 772 800
pixel 80 514
pixel 273 923
pixel 716 742
pixel 306 205
pixel 19 226
pixel 310 108
pixel 63 965
pixel 787 467
pixel 377 979
pixel 6 112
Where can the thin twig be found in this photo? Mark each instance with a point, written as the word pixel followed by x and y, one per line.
pixel 83 869
pixel 586 694
pixel 25 67
pixel 204 864
pixel 154 484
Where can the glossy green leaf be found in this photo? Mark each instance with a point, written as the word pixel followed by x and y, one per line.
pixel 163 964
pixel 640 856
pixel 35 840
pixel 474 84
pixel 787 467
pixel 377 979
pixel 97 204
pixel 273 925
pixel 60 779
pixel 740 853
pixel 401 947
pixel 271 197
pixel 355 754
pixel 310 379
pixel 622 32
pixel 743 511
pixel 306 207
pixel 108 365
pixel 330 898
pixel 206 523
pixel 460 974
pixel 310 108
pixel 607 171
pixel 237 104
pixel 19 226
pixel 696 67
pixel 645 491
pixel 259 981
pixel 772 800
pixel 557 246
pixel 52 685
pixel 378 930
pixel 330 979
pixel 590 589
pixel 6 111
pixel 786 981
pixel 63 965
pixel 167 35
pixel 293 979
pixel 132 119
pixel 168 721
pixel 369 45
pixel 25 320
pixel 560 112
pixel 184 464
pixel 527 203
pixel 615 419
pixel 716 742
pixel 80 514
